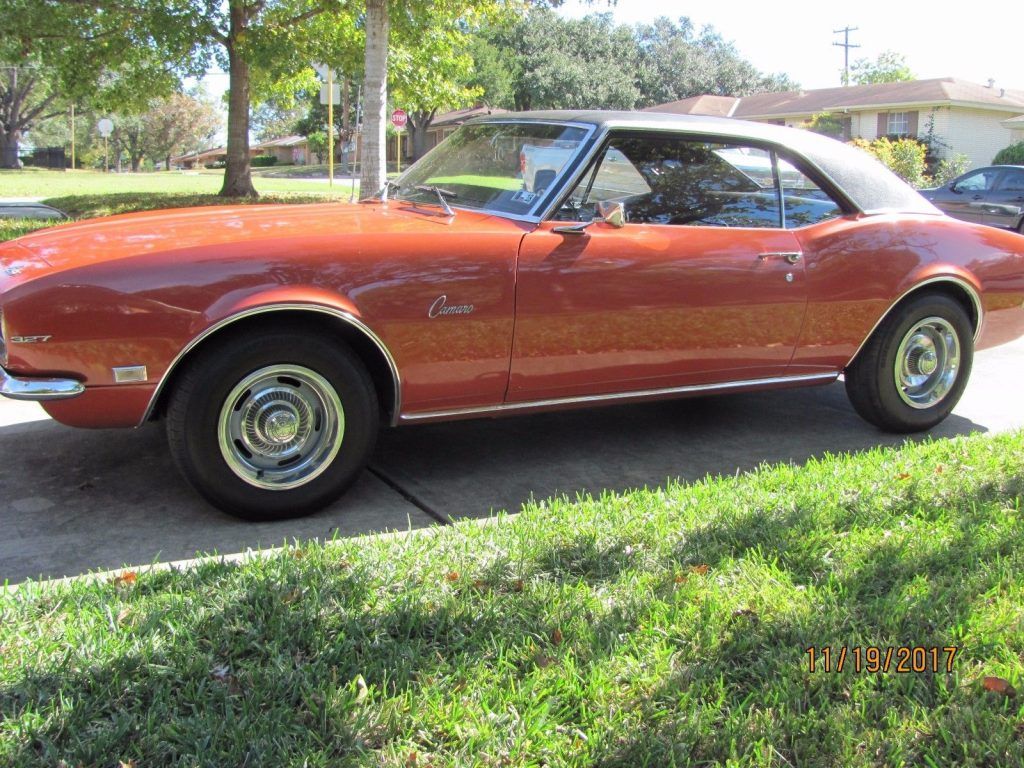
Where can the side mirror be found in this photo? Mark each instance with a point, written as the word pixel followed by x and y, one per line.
pixel 952 188
pixel 613 214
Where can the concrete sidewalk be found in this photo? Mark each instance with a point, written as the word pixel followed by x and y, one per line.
pixel 75 500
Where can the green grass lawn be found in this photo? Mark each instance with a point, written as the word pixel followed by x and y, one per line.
pixel 43 183
pixel 655 628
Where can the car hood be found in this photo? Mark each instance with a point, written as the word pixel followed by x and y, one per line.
pixel 186 229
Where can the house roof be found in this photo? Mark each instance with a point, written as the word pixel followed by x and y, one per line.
pixel 459 116
pixel 212 152
pixel 944 90
pixel 284 141
pixel 715 106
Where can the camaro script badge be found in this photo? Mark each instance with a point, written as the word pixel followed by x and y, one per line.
pixel 441 307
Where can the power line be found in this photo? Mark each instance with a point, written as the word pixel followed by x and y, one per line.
pixel 846 45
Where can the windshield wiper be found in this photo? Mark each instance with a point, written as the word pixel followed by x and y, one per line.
pixel 388 185
pixel 442 196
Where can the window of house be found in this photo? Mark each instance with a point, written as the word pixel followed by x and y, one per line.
pixel 899 123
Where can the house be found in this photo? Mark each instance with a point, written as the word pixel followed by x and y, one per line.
pixel 289 150
pixel 967 118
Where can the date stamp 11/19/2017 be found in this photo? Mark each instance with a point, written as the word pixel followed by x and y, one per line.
pixel 901 659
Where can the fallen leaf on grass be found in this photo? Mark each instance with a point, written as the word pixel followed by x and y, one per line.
pixel 123 614
pixel 452 576
pixel 681 578
pixel 362 691
pixel 542 660
pixel 903 476
pixel 126 763
pixel 999 685
pixel 126 579
pixel 700 570
pixel 518 585
pixel 556 636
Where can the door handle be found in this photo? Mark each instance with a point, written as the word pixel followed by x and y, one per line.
pixel 791 256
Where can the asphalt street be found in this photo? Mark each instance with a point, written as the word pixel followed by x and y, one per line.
pixel 72 501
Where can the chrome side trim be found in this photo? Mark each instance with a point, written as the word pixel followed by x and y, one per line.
pixel 339 314
pixel 975 300
pixel 620 396
pixel 38 389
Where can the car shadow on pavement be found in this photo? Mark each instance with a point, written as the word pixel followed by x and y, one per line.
pixel 470 469
pixel 76 500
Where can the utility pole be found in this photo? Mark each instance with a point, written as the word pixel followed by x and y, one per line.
pixel 846 45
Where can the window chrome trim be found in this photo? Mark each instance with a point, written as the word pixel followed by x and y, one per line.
pixel 346 317
pixel 807 378
pixel 975 300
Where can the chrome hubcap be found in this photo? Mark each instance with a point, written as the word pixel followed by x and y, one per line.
pixel 927 362
pixel 281 426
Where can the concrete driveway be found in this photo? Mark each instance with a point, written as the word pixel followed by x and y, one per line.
pixel 76 500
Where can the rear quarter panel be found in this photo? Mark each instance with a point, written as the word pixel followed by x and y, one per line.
pixel 858 267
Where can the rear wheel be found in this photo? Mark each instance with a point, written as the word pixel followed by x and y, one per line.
pixel 913 369
pixel 273 427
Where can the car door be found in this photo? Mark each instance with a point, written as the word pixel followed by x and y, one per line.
pixel 1005 203
pixel 967 197
pixel 702 285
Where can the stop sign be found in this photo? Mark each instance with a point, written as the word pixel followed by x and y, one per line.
pixel 399 118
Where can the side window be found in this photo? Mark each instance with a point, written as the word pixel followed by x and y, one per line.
pixel 1012 181
pixel 804 201
pixel 665 180
pixel 979 181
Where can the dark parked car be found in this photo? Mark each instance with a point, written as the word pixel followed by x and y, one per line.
pixel 993 196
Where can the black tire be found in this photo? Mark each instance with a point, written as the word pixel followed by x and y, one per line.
pixel 296 382
pixel 871 379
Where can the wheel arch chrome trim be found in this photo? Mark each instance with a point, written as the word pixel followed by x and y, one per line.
pixel 959 282
pixel 614 397
pixel 338 314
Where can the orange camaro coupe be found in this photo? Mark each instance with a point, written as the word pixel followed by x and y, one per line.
pixel 531 261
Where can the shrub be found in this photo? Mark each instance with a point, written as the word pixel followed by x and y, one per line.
pixel 949 168
pixel 904 157
pixel 264 161
pixel 1011 155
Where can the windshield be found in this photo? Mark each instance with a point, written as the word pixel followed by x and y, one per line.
pixel 500 167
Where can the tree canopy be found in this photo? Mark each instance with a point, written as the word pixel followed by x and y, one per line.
pixel 888 67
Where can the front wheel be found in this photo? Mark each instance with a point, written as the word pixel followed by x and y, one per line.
pixel 273 427
pixel 913 369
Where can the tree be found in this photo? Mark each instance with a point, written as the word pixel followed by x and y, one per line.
pixel 256 41
pixel 569 63
pixel 889 67
pixel 677 62
pixel 180 123
pixel 375 95
pixel 63 52
pixel 430 71
pixel 27 97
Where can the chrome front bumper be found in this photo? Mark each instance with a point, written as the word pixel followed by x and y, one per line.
pixel 38 389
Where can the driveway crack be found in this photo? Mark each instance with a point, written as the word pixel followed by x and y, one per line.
pixel 409 496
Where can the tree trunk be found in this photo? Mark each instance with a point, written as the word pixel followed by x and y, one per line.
pixel 419 122
pixel 374 158
pixel 237 174
pixel 9 141
pixel 168 166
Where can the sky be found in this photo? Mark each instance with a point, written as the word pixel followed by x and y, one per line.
pixel 796 37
